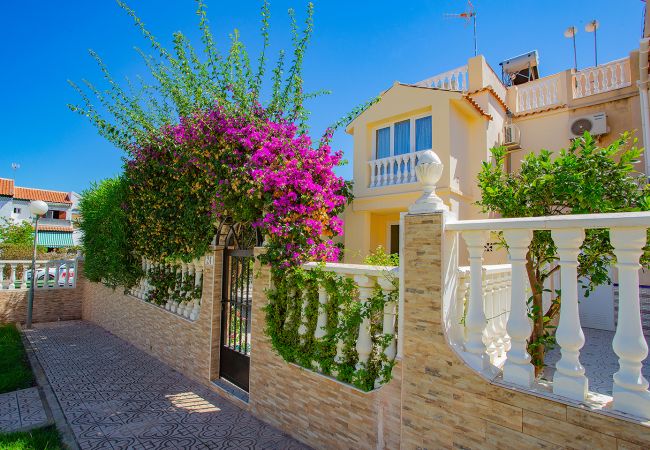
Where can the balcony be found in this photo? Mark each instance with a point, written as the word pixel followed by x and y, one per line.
pixel 453 80
pixel 394 170
pixel 599 79
pixel 46 221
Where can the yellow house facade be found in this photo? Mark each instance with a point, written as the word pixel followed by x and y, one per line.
pixel 460 115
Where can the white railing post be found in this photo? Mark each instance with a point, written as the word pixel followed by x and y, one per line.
pixel 388 326
pixel 2 275
pixel 302 329
pixel 321 322
pixel 12 277
pixel 475 319
pixel 458 330
pixel 569 379
pixel 489 299
pixel 23 276
pixel 630 390
pixel 517 369
pixel 364 341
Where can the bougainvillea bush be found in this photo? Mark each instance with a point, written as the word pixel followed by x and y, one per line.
pixel 248 168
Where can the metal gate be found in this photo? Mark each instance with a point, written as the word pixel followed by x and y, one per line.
pixel 234 360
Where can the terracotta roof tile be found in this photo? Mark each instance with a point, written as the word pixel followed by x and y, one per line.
pixel 6 187
pixel 41 194
pixel 477 107
pixel 55 228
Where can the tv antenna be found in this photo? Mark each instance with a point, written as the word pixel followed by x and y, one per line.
pixel 591 27
pixel 468 15
pixel 570 33
pixel 14 167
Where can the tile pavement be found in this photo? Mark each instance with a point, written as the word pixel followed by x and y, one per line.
pixel 21 409
pixel 598 358
pixel 115 396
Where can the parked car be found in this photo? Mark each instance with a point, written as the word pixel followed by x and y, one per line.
pixel 63 272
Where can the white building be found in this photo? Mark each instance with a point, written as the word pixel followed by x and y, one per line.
pixel 56 228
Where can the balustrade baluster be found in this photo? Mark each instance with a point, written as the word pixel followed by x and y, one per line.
pixel 302 329
pixel 488 311
pixel 12 277
pixel 57 273
pixel 460 334
pixel 364 341
pixel 499 311
pixel 475 318
pixel 321 322
pixel 630 390
pixel 2 275
pixel 23 276
pixel 517 368
pixel 569 379
pixel 388 328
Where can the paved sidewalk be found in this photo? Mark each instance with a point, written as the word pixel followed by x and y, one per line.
pixel 20 410
pixel 115 396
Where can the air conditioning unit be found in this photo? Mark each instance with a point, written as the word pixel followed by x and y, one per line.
pixel 596 124
pixel 511 135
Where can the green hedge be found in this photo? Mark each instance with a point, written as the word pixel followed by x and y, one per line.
pixel 107 239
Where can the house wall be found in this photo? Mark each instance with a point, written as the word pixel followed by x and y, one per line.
pixel 185 345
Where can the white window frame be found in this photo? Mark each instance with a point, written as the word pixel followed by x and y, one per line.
pixel 391 125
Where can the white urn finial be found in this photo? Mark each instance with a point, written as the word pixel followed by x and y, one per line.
pixel 428 170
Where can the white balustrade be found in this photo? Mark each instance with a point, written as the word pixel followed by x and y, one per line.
pixel 367 279
pixel 503 293
pixel 393 170
pixel 50 274
pixel 454 80
pixel 603 78
pixel 539 94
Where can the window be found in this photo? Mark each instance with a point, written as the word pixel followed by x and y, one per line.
pixel 383 143
pixel 17 210
pixel 423 133
pixel 402 137
pixel 393 246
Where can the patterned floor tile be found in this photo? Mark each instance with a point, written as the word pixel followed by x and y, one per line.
pixel 115 396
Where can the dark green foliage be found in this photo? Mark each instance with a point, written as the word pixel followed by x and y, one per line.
pixel 344 316
pixel 107 241
pixel 15 372
pixel 582 179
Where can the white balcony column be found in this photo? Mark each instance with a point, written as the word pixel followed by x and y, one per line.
pixel 569 379
pixel 69 267
pixel 23 277
pixel 517 369
pixel 475 319
pixel 364 341
pixel 630 390
pixel 502 312
pixel 12 277
pixel 321 322
pixel 2 275
pixel 388 329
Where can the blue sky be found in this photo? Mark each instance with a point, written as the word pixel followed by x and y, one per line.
pixel 358 49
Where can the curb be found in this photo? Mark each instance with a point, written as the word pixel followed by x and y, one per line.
pixel 50 402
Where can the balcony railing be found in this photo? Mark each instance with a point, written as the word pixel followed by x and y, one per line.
pixel 50 274
pixel 55 222
pixel 539 94
pixel 604 78
pixel 398 169
pixel 627 233
pixel 454 80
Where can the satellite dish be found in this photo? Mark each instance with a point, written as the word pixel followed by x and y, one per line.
pixel 570 32
pixel 579 127
pixel 592 26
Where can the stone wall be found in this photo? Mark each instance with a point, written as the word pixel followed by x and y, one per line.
pixel 50 305
pixel 445 404
pixel 315 409
pixel 179 342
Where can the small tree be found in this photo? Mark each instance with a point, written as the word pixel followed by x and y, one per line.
pixel 583 179
pixel 21 233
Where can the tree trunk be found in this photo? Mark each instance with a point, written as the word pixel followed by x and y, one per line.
pixel 535 347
